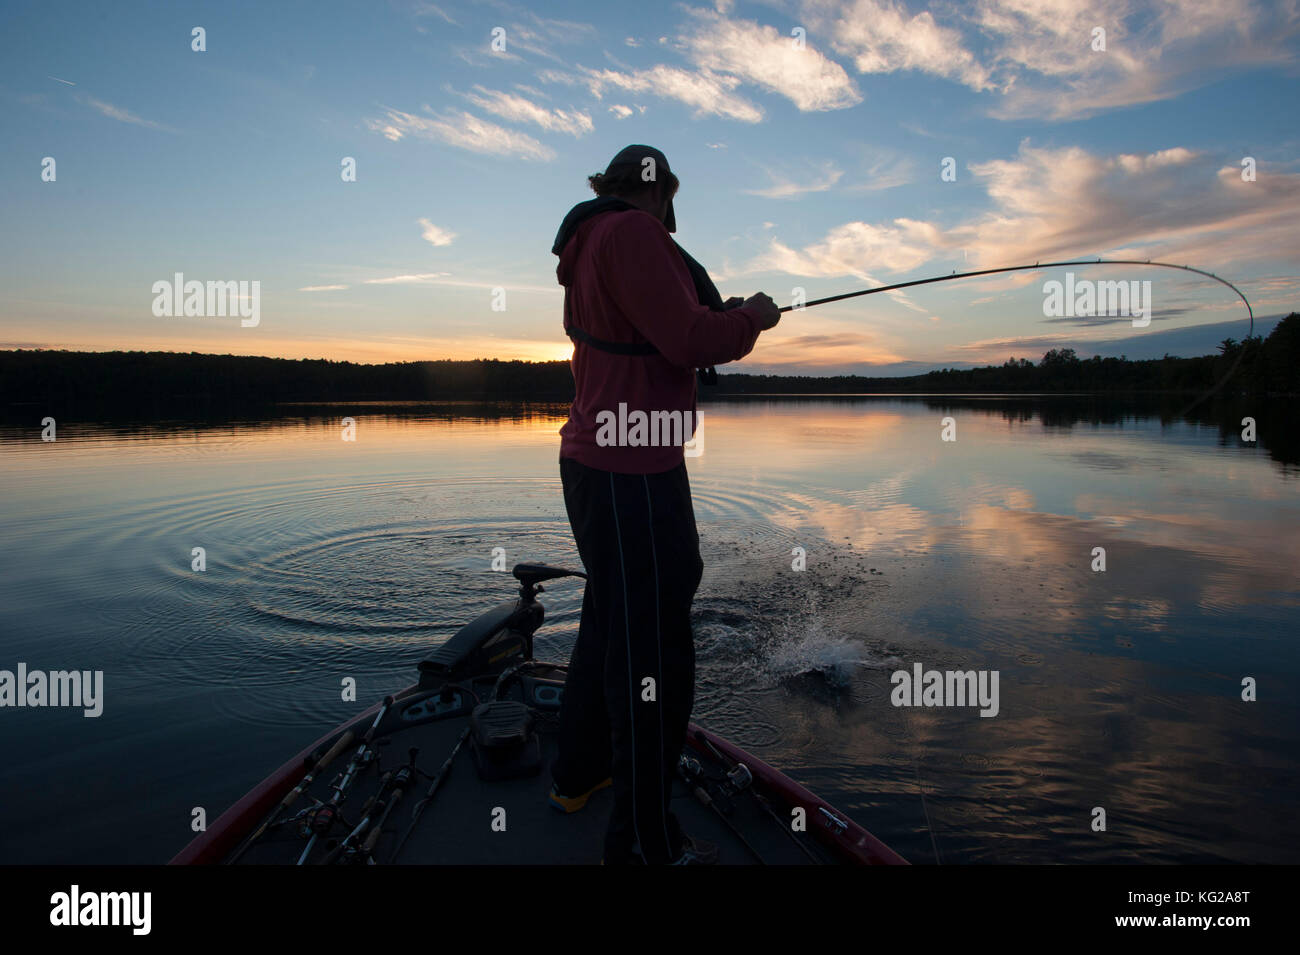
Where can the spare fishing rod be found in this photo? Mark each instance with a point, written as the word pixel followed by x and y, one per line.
pixel 323 818
pixel 420 806
pixel 742 780
pixel 339 746
pixel 351 849
pixel 372 805
pixel 402 781
pixel 692 774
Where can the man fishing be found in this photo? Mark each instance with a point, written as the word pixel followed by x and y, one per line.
pixel 643 316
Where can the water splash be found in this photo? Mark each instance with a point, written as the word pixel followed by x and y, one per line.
pixel 806 643
pixel 762 651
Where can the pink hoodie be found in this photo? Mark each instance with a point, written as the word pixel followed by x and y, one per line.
pixel 625 282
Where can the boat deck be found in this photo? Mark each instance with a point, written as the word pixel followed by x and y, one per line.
pixel 457 826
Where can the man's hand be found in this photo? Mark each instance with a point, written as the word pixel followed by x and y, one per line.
pixel 734 302
pixel 766 310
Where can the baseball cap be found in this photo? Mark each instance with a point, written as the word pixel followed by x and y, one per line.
pixel 634 156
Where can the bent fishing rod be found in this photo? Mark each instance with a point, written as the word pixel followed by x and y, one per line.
pixel 1027 268
pixel 1052 265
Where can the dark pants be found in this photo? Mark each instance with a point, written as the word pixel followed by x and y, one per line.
pixel 637 539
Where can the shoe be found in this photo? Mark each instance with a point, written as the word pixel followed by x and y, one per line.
pixel 697 852
pixel 568 804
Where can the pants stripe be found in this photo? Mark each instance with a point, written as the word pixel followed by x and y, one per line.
pixel 661 692
pixel 631 684
pixel 647 551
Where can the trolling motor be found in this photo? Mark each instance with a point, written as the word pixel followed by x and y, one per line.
pixel 497 638
pixel 504 735
pixel 530 577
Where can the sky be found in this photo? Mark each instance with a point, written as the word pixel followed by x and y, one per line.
pixel 810 138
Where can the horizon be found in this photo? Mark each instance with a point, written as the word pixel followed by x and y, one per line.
pixel 1263 326
pixel 228 164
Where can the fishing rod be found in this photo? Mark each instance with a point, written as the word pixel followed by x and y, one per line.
pixel 692 774
pixel 323 819
pixel 352 849
pixel 438 778
pixel 372 806
pixel 742 780
pixel 291 798
pixel 1027 268
pixel 1052 265
pixel 367 850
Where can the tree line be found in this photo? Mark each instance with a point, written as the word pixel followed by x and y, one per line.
pixel 154 383
pixel 1254 366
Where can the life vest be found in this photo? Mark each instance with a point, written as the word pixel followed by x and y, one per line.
pixel 705 291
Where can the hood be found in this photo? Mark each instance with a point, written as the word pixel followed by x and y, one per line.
pixel 576 217
pixel 705 290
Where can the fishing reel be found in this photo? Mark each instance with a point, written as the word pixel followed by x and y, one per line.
pixel 319 820
pixel 721 793
pixel 403 777
pixel 706 790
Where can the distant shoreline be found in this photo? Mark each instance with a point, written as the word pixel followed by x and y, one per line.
pixel 157 382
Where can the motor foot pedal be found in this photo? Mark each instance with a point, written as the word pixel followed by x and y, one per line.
pixel 505 741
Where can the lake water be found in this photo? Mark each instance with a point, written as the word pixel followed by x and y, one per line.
pixel 328 559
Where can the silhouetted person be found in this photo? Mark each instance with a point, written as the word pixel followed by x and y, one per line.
pixel 643 316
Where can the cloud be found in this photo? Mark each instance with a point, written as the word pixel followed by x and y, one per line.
pixel 119 114
pixel 1038 58
pixel 787 188
pixel 1046 204
pixel 444 278
pixel 621 112
pixel 462 130
pixel 882 169
pixel 987 349
pixel 417 279
pixel 64 82
pixel 429 9
pixel 711 94
pixel 1061 203
pixel 535 34
pixel 522 110
pixel 1152 53
pixel 1163 315
pixel 726 53
pixel 854 248
pixel 763 56
pixel 882 36
pixel 486 57
pixel 435 235
pixel 918 129
pixel 814 350
pixel 322 288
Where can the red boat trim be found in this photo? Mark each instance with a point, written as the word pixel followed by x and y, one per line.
pixel 853 844
pixel 230 828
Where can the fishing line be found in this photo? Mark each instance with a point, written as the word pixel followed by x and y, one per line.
pixel 1051 265
pixel 920 788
